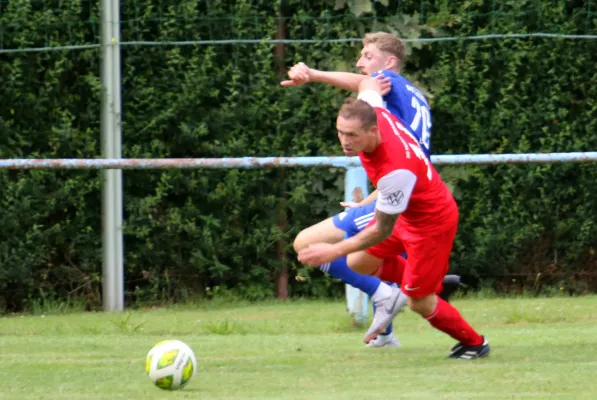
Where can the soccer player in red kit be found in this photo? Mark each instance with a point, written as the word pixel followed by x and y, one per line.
pixel 415 214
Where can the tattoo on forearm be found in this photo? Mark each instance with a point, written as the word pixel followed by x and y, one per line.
pixel 385 222
pixel 384 225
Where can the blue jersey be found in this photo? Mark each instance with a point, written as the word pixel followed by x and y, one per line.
pixel 410 105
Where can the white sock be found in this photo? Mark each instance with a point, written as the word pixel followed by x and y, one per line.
pixel 385 338
pixel 383 292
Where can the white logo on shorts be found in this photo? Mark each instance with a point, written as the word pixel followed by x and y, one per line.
pixel 342 215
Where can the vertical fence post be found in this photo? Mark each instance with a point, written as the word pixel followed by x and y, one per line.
pixel 112 259
pixel 355 189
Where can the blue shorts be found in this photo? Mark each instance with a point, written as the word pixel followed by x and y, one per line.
pixel 354 220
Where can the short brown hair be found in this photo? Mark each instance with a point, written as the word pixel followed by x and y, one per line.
pixel 354 108
pixel 389 43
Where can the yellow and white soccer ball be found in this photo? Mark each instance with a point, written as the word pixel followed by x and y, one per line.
pixel 170 364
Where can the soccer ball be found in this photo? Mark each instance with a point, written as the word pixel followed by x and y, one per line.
pixel 170 364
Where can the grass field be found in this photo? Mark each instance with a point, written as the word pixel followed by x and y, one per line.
pixel 541 349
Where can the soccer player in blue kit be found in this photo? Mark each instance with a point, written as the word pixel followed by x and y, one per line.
pixel 382 56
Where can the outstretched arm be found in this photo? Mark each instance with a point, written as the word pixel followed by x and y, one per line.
pixel 300 74
pixel 342 80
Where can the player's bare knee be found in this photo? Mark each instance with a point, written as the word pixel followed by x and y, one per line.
pixel 424 305
pixel 360 267
pixel 324 232
pixel 300 241
pixel 363 263
pixel 354 262
pixel 415 305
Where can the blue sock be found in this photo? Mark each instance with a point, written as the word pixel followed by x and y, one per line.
pixel 339 269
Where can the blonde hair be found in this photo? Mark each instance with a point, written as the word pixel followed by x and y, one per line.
pixel 389 43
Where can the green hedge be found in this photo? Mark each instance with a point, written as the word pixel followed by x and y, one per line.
pixel 188 232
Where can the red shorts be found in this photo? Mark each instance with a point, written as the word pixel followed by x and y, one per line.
pixel 428 258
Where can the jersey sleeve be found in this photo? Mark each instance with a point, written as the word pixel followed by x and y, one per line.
pixel 395 190
pixel 373 98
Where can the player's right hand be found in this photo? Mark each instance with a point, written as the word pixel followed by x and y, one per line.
pixel 298 74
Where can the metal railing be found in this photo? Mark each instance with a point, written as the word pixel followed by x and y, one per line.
pixel 355 182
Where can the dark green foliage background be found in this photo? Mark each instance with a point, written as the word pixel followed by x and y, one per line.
pixel 195 232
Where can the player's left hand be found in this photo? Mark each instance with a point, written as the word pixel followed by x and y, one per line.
pixel 318 254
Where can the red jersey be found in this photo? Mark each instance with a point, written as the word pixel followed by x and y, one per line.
pixel 407 182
